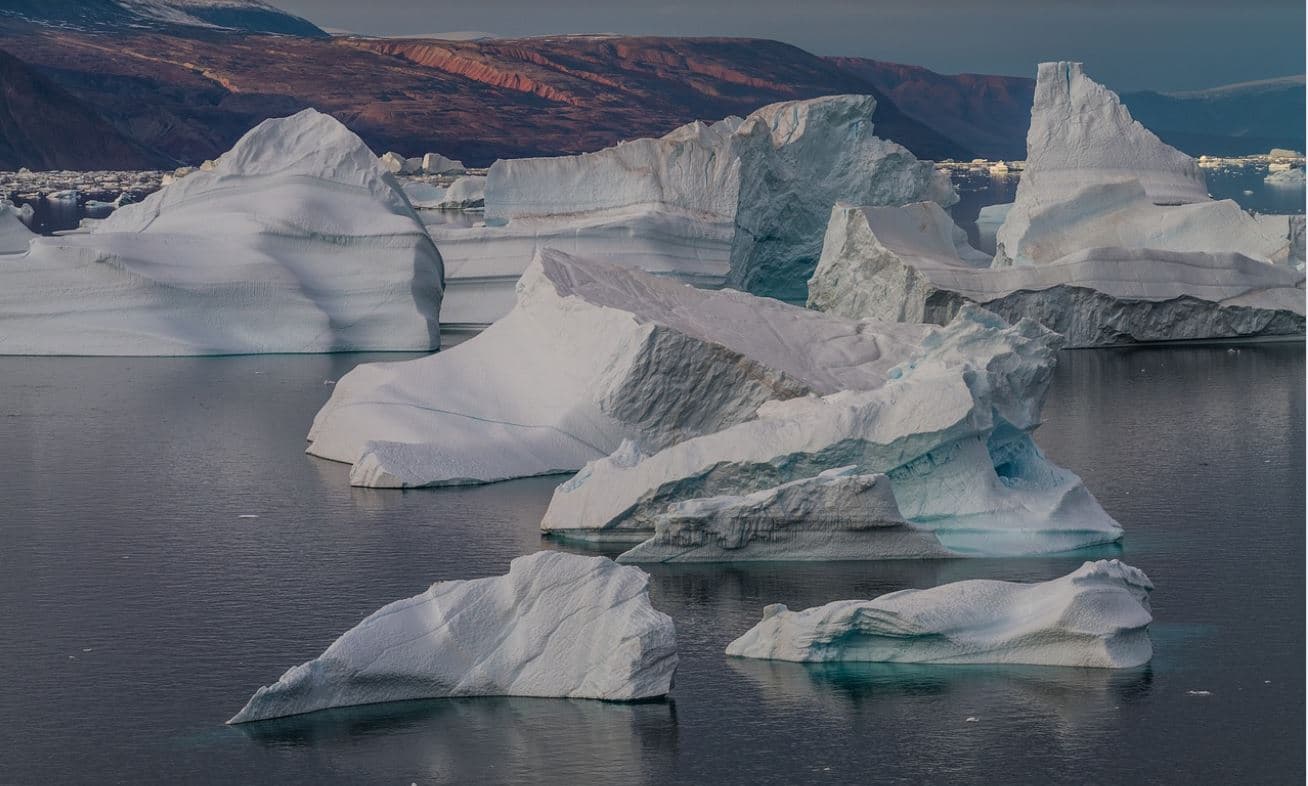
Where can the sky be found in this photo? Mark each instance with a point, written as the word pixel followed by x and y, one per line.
pixel 1146 44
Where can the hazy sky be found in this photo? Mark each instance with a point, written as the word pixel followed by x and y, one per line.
pixel 1158 44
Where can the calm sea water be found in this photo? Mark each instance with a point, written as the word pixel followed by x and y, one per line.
pixel 140 611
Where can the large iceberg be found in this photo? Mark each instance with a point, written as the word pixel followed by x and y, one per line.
pixel 913 264
pixel 593 354
pixel 1097 616
pixel 744 200
pixel 557 625
pixel 296 241
pixel 949 424
pixel 1095 177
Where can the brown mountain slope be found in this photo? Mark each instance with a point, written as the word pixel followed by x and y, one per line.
pixel 192 96
pixel 42 126
pixel 987 114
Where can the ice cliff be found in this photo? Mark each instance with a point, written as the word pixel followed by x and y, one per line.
pixel 557 625
pixel 744 200
pixel 296 241
pixel 1097 616
pixel 913 264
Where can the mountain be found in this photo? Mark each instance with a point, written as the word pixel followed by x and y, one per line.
pixel 986 114
pixel 192 95
pixel 250 16
pixel 43 126
pixel 1249 117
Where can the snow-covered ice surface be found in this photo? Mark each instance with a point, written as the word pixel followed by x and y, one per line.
pixel 949 424
pixel 1097 616
pixel 296 241
pixel 592 354
pixel 557 625
pixel 835 515
pixel 745 199
pixel 913 264
pixel 1095 177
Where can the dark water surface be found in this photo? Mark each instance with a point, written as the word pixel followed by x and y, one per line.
pixel 140 612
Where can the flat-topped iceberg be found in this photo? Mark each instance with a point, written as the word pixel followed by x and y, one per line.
pixel 1097 616
pixel 838 514
pixel 1096 178
pixel 295 241
pixel 913 264
pixel 592 354
pixel 949 425
pixel 740 199
pixel 557 625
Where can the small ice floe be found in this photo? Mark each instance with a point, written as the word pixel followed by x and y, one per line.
pixel 1199 692
pixel 248 516
pixel 971 719
pixel 329 382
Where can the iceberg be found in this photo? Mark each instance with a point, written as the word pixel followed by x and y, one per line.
pixel 592 354
pixel 838 514
pixel 15 237
pixel 949 425
pixel 1096 178
pixel 913 264
pixel 557 625
pixel 1096 617
pixel 437 164
pixel 1286 178
pixel 737 201
pixel 296 241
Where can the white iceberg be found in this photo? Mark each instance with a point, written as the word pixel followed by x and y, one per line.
pixel 913 264
pixel 746 198
pixel 423 195
pixel 1097 616
pixel 437 164
pixel 397 164
pixel 1286 178
pixel 15 237
pixel 592 354
pixel 949 425
pixel 835 515
pixel 465 193
pixel 296 241
pixel 1096 178
pixel 557 625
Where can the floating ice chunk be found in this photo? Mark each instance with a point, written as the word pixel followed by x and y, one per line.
pixel 1097 616
pixel 437 164
pixel 465 193
pixel 15 237
pixel 836 515
pixel 949 427
pixel 592 354
pixel 557 625
pixel 397 164
pixel 296 241
pixel 913 264
pixel 1288 178
pixel 424 196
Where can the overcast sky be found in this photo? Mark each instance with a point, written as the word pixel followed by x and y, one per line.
pixel 1157 44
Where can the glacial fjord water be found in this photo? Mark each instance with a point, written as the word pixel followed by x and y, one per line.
pixel 142 604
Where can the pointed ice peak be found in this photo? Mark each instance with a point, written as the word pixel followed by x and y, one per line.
pixel 1081 133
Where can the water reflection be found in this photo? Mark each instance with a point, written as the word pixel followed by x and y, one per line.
pixel 481 739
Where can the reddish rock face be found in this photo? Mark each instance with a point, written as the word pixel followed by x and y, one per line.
pixel 192 96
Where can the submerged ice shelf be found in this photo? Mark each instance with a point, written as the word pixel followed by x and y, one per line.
pixel 557 625
pixel 1097 616
pixel 295 241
